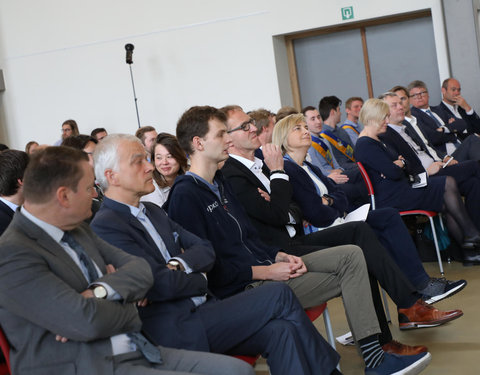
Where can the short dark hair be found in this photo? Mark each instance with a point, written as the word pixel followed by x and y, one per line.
pixel 445 83
pixel 12 165
pixel 194 123
pixel 326 104
pixel 140 133
pixel 285 111
pixel 398 88
pixel 78 141
pixel 96 131
pixel 349 101
pixel 51 168
pixel 262 118
pixel 73 126
pixel 169 141
pixel 308 108
pixel 3 147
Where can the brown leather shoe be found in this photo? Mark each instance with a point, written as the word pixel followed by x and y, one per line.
pixel 421 315
pixel 395 347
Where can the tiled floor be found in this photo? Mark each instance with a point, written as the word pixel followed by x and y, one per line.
pixel 455 346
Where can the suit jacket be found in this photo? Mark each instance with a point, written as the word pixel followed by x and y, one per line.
pixel 428 127
pixel 169 318
pixel 6 216
pixel 471 123
pixel 40 288
pixel 271 217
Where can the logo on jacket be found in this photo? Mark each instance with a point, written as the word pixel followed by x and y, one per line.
pixel 212 206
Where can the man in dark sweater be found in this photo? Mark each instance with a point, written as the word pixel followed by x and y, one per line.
pixel 203 203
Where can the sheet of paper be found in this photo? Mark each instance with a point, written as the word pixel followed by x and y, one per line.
pixel 346 339
pixel 360 214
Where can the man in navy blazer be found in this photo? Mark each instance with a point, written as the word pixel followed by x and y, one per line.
pixel 454 109
pixel 443 136
pixel 179 310
pixel 12 164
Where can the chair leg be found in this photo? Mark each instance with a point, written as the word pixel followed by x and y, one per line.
pixel 328 329
pixel 385 305
pixel 437 249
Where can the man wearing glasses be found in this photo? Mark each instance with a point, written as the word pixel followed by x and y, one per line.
pixel 443 137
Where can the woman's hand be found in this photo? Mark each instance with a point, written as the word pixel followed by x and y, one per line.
pixel 400 162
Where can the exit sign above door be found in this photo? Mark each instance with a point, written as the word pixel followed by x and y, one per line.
pixel 347 13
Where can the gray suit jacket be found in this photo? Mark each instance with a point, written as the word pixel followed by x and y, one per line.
pixel 40 288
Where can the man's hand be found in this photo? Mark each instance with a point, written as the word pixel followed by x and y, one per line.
pixel 282 271
pixel 272 156
pixel 264 194
pixel 447 158
pixel 292 259
pixel 62 339
pixel 461 102
pixel 142 302
pixel 110 268
pixel 339 178
pixel 434 168
pixel 440 130
pixel 400 162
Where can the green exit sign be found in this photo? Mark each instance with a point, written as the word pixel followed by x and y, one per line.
pixel 347 13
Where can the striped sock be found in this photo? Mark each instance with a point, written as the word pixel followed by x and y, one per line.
pixel 372 351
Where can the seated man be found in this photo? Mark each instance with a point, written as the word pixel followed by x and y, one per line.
pixel 12 165
pixel 444 137
pixel 178 314
pixel 271 217
pixel 67 298
pixel 203 203
pixel 351 125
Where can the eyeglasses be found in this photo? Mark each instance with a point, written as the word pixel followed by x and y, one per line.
pixel 418 95
pixel 245 126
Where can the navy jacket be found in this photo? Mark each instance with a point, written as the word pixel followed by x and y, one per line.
pixel 469 122
pixel 223 221
pixel 6 216
pixel 306 196
pixel 168 319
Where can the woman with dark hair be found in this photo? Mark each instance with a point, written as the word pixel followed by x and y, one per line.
pixel 169 161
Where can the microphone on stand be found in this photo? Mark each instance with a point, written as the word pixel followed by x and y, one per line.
pixel 129 48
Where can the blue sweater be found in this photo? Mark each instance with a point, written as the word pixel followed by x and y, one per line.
pixel 198 209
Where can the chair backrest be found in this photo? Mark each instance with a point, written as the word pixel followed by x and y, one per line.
pixel 5 346
pixel 368 183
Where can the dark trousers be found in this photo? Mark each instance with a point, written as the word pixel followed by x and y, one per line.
pixel 268 320
pixel 380 265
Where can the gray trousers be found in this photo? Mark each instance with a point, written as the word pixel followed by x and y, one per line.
pixel 178 362
pixel 333 272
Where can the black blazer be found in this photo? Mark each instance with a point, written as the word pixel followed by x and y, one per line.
pixel 6 216
pixel 269 218
pixel 428 127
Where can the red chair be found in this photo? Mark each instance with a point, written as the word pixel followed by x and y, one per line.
pixel 313 313
pixel 429 214
pixel 5 346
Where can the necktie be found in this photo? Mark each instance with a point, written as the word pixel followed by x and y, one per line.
pixel 428 112
pixel 85 260
pixel 150 351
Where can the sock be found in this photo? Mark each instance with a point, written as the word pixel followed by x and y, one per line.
pixel 372 352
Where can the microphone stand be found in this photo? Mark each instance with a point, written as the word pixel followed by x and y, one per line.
pixel 134 94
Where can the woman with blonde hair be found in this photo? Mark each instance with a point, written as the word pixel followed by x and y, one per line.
pixel 386 170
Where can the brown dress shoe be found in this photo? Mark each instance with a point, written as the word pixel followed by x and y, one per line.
pixel 421 315
pixel 395 347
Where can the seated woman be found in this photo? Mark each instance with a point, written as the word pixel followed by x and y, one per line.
pixel 392 188
pixel 169 161
pixel 323 204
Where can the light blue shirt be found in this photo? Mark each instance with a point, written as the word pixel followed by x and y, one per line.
pixel 11 205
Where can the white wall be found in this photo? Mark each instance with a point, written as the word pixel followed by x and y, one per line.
pixel 66 59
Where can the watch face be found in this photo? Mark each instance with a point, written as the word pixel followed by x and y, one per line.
pixel 100 292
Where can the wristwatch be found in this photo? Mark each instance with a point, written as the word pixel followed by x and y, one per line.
pixel 176 264
pixel 99 291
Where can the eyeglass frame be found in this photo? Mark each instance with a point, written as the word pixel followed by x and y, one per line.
pixel 419 94
pixel 245 126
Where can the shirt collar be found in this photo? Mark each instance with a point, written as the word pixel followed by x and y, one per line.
pixel 11 205
pixel 252 165
pixel 53 231
pixel 397 127
pixel 452 108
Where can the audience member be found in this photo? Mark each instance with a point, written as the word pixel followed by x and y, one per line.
pixel 178 313
pixel 86 321
pixel 444 137
pixel 392 188
pixel 31 146
pixel 12 165
pixel 69 128
pixel 99 133
pixel 351 125
pixel 202 201
pixel 147 134
pixel 169 161
pixel 284 112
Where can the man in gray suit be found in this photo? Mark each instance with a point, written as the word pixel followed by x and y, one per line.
pixel 67 298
